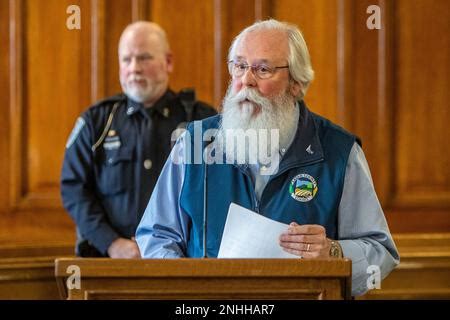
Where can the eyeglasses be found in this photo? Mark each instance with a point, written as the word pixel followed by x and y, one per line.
pixel 261 71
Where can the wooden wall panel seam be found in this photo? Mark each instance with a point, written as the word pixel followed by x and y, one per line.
pixel 97 50
pixel 139 10
pixel 343 41
pixel 218 47
pixel 16 102
pixel 385 134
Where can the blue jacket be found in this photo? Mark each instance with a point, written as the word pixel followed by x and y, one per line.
pixel 307 187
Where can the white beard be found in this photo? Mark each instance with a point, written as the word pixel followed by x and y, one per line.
pixel 136 92
pixel 269 125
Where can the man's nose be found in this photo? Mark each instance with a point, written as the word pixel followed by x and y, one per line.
pixel 135 65
pixel 248 78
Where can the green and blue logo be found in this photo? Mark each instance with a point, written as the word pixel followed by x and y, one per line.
pixel 303 187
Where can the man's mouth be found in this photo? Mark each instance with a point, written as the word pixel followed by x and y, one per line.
pixel 140 82
pixel 246 100
pixel 256 108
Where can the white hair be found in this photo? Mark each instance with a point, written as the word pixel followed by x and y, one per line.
pixel 299 62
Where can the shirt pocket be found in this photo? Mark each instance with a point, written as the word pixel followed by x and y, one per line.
pixel 116 174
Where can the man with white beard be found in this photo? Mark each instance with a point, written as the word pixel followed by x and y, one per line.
pixel 321 186
pixel 119 146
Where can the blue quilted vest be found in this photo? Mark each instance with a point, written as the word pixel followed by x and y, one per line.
pixel 306 189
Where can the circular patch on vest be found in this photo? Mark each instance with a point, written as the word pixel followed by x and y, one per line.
pixel 303 187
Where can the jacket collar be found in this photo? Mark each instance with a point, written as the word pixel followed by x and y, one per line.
pixel 306 146
pixel 161 106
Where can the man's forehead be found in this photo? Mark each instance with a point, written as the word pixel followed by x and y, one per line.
pixel 134 47
pixel 262 46
pixel 139 42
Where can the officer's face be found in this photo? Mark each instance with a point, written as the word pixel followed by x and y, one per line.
pixel 268 47
pixel 145 65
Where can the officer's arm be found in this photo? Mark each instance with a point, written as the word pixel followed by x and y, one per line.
pixel 163 230
pixel 78 187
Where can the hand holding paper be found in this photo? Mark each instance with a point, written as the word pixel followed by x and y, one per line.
pixel 251 235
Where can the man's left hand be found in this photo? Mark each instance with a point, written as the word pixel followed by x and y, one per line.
pixel 307 241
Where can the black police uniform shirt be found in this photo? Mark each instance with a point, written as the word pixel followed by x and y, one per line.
pixel 105 187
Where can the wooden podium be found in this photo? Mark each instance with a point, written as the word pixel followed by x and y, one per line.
pixel 192 279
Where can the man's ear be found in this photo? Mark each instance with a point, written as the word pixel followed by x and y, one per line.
pixel 169 61
pixel 296 87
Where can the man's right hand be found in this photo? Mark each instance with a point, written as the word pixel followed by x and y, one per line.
pixel 124 249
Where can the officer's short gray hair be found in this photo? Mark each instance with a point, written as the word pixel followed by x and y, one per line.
pixel 148 28
pixel 299 62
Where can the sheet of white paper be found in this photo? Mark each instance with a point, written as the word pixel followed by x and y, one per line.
pixel 251 235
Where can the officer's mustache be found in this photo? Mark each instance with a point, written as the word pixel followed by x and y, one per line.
pixel 136 77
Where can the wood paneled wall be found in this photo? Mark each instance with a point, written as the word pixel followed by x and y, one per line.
pixel 389 86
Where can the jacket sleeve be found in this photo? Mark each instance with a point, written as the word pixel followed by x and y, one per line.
pixel 78 187
pixel 363 231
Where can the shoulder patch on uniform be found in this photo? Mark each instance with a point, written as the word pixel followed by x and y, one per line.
pixel 75 132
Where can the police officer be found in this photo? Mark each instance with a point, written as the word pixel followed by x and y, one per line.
pixel 118 146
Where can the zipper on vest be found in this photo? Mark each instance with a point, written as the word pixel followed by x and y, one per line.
pixel 256 203
pixel 254 199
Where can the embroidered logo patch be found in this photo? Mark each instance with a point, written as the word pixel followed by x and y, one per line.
pixel 303 187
